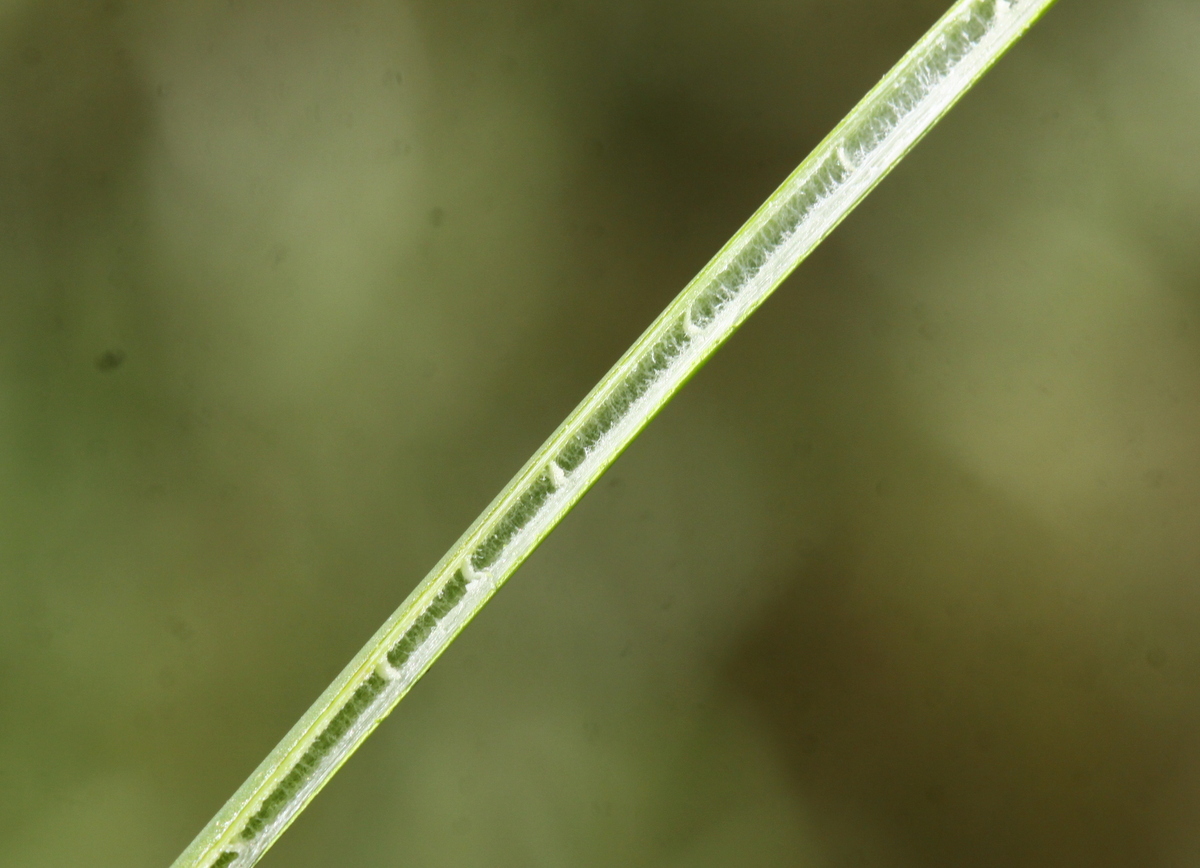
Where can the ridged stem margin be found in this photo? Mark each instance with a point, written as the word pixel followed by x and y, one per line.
pixel 846 166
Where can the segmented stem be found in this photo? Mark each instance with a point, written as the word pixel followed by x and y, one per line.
pixel 818 195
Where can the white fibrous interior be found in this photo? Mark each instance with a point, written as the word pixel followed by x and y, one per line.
pixel 800 214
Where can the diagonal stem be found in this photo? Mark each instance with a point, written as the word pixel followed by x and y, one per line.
pixel 846 166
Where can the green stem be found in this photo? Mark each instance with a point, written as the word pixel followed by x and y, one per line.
pixel 846 166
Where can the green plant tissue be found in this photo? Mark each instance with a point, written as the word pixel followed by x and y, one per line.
pixel 905 577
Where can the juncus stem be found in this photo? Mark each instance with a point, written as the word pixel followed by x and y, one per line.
pixel 819 194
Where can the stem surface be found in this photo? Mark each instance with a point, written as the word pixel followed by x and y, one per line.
pixel 846 166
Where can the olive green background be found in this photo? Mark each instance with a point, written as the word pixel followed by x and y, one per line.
pixel 909 575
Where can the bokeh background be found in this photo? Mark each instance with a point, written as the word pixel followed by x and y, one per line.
pixel 909 575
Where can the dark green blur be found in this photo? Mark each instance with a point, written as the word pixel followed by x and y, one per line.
pixel 907 577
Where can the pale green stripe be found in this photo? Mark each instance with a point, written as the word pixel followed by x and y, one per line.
pixel 819 194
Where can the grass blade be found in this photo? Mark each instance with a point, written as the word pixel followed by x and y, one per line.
pixel 846 166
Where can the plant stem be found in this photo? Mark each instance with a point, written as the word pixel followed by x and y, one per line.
pixel 846 166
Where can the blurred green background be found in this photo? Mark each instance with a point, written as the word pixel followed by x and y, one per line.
pixel 907 576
